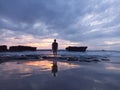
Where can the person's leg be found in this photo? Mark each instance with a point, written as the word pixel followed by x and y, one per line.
pixel 54 52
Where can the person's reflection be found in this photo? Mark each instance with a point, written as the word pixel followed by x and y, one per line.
pixel 54 68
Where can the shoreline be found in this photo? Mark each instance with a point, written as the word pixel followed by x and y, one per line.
pixel 81 58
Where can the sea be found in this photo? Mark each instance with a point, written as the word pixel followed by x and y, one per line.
pixel 107 53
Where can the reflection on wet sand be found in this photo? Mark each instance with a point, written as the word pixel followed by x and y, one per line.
pixel 112 67
pixel 42 65
pixel 54 68
pixel 47 64
pixel 28 68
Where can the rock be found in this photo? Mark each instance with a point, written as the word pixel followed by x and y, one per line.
pixel 32 56
pixel 3 48
pixel 105 59
pixel 22 48
pixel 47 57
pixel 86 60
pixel 96 60
pixel 77 49
pixel 72 59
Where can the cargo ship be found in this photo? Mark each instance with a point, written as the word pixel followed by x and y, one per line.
pixel 77 49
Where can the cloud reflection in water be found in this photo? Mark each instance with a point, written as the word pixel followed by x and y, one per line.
pixel 23 69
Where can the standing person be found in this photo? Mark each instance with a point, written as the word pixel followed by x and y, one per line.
pixel 54 47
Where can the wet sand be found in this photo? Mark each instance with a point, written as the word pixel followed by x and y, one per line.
pixel 71 75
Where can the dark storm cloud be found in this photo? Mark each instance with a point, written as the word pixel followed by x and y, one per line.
pixel 57 14
pixel 50 12
pixel 73 20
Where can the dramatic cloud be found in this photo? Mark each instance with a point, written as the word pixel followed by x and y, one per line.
pixel 94 23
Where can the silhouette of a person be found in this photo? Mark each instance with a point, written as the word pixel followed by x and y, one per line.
pixel 54 68
pixel 54 47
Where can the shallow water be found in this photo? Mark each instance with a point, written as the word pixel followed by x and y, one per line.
pixel 20 69
pixel 70 75
pixel 37 75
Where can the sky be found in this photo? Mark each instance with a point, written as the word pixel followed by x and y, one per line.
pixel 92 23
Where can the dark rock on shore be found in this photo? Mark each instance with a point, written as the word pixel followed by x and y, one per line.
pixel 22 48
pixel 76 49
pixel 3 48
pixel 72 59
pixel 87 59
pixel 105 59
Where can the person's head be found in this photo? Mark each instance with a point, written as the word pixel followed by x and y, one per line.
pixel 54 40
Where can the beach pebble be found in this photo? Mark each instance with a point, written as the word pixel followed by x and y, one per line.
pixel 72 59
pixel 105 59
